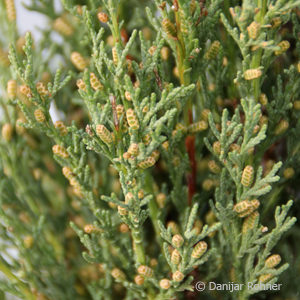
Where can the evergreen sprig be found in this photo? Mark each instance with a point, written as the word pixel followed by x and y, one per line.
pixel 176 147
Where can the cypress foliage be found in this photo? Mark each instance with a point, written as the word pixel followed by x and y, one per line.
pixel 174 157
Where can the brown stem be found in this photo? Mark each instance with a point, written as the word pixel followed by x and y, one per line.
pixel 191 177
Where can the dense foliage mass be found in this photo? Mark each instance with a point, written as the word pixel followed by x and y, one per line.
pixel 172 157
